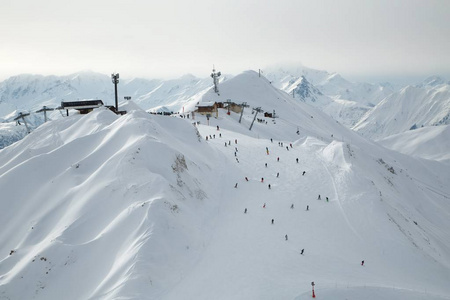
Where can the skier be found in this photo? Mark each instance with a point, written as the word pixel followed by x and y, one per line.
pixel 292 206
pixel 245 210
pixel 246 179
pixel 278 174
pixel 214 136
pixel 264 206
pixel 286 237
pixel 287 148
pixel 237 159
pixel 235 153
pixel 278 158
pixel 290 144
pixel 206 137
pixel 318 198
pixel 362 263
pixel 266 165
pixel 296 159
pixel 262 179
pixel 217 127
pixel 225 144
pixel 326 198
pixel 269 186
pixel 307 207
pixel 302 251
pixel 235 186
pixel 220 135
pixel 235 141
pixel 303 173
pixel 229 142
pixel 272 221
pixel 271 140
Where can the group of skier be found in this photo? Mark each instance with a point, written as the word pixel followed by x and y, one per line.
pixel 277 176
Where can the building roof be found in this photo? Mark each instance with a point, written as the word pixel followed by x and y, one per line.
pixel 206 104
pixel 83 104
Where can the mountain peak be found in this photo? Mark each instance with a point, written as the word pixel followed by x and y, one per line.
pixel 434 81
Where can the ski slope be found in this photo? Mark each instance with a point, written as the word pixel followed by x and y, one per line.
pixel 145 207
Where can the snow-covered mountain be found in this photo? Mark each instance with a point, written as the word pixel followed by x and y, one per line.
pixel 330 84
pixel 411 107
pixel 28 93
pixel 431 142
pixel 325 91
pixel 143 206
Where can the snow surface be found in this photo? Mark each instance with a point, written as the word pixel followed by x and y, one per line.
pixel 142 206
pixel 428 142
pixel 411 107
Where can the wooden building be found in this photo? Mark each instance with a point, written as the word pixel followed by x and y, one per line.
pixel 207 108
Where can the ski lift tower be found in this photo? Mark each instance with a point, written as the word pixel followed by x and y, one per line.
pixel 243 105
pixel 228 106
pixel 257 109
pixel 22 116
pixel 45 109
pixel 115 80
pixel 215 76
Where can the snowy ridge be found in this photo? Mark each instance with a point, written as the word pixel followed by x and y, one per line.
pixel 330 84
pixel 99 193
pixel 410 108
pixel 28 93
pixel 346 102
pixel 427 142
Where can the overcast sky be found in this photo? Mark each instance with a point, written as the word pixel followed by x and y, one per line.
pixel 360 39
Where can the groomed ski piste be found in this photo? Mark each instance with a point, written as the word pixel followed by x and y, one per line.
pixel 143 206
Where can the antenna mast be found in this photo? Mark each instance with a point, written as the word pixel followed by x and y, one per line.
pixel 215 76
pixel 115 80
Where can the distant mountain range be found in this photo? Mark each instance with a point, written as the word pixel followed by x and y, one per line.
pixel 374 110
pixel 427 104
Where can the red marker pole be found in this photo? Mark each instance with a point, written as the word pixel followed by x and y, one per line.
pixel 313 294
